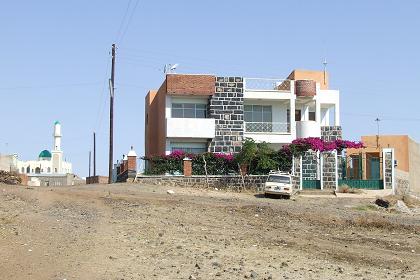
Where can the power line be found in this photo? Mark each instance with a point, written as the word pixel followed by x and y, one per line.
pixel 123 21
pixel 128 22
pixel 50 86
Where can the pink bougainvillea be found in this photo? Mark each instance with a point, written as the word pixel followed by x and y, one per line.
pixel 228 157
pixel 301 145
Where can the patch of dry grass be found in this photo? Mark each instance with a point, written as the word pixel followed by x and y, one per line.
pixel 347 189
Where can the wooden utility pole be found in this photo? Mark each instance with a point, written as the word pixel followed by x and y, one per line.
pixel 94 154
pixel 111 116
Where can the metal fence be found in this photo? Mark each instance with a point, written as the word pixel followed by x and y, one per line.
pixel 267 127
pixel 266 84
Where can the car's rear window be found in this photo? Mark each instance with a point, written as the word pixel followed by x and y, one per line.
pixel 278 179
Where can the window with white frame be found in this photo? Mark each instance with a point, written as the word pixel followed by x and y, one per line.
pixel 189 110
pixel 258 113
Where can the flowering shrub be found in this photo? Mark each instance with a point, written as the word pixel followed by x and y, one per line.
pixel 301 145
pixel 259 157
pixel 217 163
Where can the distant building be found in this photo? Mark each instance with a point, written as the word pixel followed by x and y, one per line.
pixel 51 163
pixel 367 163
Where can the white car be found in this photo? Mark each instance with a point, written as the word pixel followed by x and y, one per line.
pixel 278 184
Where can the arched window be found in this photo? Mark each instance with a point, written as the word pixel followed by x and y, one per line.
pixel 23 169
pixel 49 169
pixel 37 170
pixel 28 169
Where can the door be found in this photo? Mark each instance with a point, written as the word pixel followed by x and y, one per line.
pixel 374 168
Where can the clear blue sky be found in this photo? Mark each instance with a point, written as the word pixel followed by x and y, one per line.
pixel 54 59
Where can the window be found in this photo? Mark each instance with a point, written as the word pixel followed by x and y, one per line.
pixel 49 169
pixel 193 148
pixel 298 115
pixel 311 116
pixel 189 110
pixel 23 169
pixel 257 113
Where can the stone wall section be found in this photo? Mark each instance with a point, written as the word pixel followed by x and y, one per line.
pixel 296 174
pixel 227 108
pixel 234 182
pixel 328 170
pixel 309 165
pixel 388 171
pixel 331 133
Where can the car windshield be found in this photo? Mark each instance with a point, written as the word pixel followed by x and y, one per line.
pixel 279 179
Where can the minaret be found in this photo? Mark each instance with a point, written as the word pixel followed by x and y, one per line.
pixel 57 154
pixel 57 136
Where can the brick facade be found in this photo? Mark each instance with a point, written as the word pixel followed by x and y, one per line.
pixel 187 167
pixel 226 107
pixel 190 84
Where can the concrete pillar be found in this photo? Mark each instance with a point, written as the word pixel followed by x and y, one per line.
pixel 292 118
pixel 337 114
pixel 318 111
pixel 305 114
pixel 187 167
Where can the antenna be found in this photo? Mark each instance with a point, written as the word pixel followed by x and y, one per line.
pixel 325 70
pixel 377 120
pixel 170 68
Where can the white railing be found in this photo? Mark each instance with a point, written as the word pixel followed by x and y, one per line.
pixel 261 84
pixel 267 127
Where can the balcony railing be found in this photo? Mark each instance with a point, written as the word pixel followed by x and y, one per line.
pixel 267 127
pixel 259 84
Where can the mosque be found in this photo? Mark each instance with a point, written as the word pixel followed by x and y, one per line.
pixel 49 162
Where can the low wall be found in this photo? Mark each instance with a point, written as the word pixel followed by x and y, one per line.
pixel 97 180
pixel 251 182
pixel 402 182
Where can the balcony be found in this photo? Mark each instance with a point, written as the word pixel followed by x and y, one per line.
pixel 267 127
pixel 306 129
pixel 259 84
pixel 190 128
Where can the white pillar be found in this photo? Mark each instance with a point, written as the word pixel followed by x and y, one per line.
pixel 318 111
pixel 292 118
pixel 326 119
pixel 305 114
pixel 337 114
pixel 336 169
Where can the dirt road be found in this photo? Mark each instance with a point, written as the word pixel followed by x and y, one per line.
pixel 141 232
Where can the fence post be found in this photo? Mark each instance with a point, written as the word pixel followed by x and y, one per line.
pixel 187 167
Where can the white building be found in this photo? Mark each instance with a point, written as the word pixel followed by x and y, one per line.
pixel 200 113
pixel 48 163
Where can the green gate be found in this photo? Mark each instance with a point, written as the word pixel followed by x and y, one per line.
pixel 362 184
pixel 311 184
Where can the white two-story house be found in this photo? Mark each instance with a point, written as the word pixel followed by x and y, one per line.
pixel 200 113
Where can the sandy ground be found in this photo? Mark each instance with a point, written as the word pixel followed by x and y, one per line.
pixel 141 232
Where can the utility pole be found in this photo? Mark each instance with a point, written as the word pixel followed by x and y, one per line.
pixel 377 120
pixel 94 154
pixel 90 160
pixel 111 116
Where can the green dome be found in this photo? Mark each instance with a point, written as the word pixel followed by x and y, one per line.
pixel 45 154
pixel 56 122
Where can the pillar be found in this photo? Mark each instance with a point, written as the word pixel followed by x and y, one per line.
pixel 187 167
pixel 292 118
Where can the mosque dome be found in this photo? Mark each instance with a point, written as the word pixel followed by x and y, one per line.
pixel 45 154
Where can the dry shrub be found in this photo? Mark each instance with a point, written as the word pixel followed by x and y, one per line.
pixel 347 189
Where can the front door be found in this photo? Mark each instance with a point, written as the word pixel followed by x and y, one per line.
pixel 374 168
